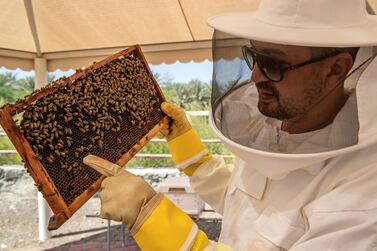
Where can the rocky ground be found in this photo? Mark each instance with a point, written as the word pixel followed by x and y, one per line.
pixel 19 216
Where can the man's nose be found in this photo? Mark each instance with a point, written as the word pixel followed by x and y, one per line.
pixel 257 75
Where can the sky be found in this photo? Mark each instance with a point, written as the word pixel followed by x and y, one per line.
pixel 177 72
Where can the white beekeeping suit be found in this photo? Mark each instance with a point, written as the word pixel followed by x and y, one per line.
pixel 302 126
pixel 309 191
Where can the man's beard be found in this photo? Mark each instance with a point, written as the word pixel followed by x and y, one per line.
pixel 285 107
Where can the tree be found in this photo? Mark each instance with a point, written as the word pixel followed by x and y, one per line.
pixel 195 95
pixel 12 88
pixel 9 88
pixel 164 80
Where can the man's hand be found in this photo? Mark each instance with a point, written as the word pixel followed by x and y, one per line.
pixel 153 220
pixel 179 123
pixel 124 197
pixel 188 152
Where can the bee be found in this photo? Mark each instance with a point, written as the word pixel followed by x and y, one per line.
pixel 35 149
pixel 50 158
pixel 100 144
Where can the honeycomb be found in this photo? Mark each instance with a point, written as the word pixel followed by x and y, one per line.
pixel 104 112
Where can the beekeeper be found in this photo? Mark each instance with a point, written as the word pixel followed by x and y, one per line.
pixel 303 129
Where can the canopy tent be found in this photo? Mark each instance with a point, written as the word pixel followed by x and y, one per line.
pixel 48 35
pixel 72 34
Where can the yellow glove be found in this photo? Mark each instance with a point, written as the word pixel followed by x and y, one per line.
pixel 179 123
pixel 154 221
pixel 188 152
pixel 124 197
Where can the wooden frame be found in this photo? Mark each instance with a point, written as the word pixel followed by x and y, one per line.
pixel 44 183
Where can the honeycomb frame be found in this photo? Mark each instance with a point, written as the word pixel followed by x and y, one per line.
pixel 44 183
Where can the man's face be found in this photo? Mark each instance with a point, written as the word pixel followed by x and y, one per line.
pixel 297 92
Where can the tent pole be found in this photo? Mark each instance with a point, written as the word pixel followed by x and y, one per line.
pixel 44 214
pixel 44 211
pixel 40 67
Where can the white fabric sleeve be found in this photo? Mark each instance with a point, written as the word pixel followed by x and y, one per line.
pixel 211 180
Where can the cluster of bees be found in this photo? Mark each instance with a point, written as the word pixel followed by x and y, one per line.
pixel 73 120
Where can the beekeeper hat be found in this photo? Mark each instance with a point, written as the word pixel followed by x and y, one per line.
pixel 258 140
pixel 319 23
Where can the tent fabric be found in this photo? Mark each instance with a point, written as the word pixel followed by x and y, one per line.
pixel 72 34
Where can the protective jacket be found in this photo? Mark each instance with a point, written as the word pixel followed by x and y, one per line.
pixel 328 204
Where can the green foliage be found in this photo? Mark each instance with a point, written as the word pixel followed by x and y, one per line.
pixel 152 148
pixel 10 88
pixel 8 159
pixel 192 96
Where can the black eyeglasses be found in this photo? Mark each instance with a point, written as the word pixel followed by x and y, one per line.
pixel 270 67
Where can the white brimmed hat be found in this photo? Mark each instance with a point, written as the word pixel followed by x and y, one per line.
pixel 319 23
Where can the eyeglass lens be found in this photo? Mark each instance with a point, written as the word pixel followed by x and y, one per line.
pixel 269 67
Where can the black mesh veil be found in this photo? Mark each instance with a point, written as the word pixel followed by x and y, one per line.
pixel 230 70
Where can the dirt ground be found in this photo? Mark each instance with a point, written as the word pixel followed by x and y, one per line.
pixel 19 222
pixel 19 219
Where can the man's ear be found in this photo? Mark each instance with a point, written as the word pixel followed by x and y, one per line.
pixel 340 66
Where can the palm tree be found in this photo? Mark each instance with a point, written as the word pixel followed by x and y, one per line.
pixel 7 82
pixel 194 95
pixel 28 83
pixel 12 88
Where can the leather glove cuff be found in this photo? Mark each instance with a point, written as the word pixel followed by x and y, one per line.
pixel 145 212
